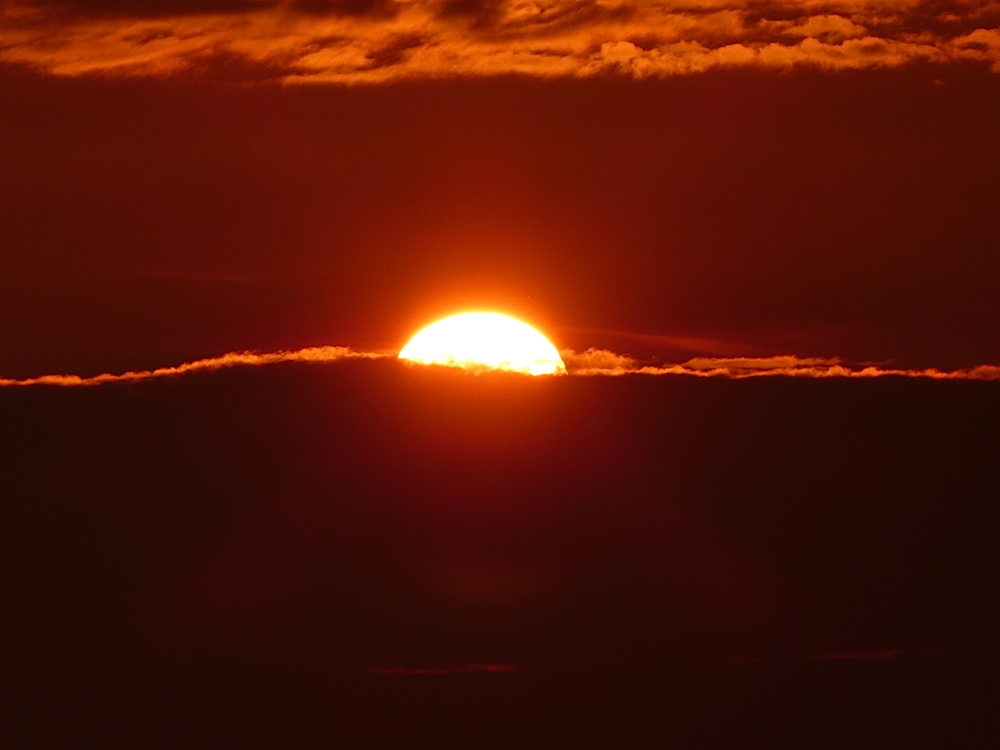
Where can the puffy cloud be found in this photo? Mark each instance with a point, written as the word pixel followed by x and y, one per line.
pixel 595 360
pixel 372 41
pixel 981 45
pixel 825 28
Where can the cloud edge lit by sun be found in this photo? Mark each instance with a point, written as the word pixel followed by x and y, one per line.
pixel 274 40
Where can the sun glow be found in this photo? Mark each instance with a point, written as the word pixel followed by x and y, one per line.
pixel 484 340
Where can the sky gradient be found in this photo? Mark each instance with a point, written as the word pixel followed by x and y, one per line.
pixel 760 508
pixel 151 222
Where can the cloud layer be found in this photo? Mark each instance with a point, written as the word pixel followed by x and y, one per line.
pixel 232 359
pixel 375 41
pixel 603 362
pixel 588 363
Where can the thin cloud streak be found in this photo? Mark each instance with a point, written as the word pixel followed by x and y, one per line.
pixel 603 362
pixel 358 42
pixel 232 359
pixel 592 362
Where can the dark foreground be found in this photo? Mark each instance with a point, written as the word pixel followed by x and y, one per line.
pixel 362 554
pixel 946 702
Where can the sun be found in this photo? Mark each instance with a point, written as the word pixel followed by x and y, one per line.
pixel 484 340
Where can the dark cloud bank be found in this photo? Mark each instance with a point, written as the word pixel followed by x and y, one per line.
pixel 287 555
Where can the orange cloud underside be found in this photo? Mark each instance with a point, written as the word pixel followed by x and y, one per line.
pixel 373 42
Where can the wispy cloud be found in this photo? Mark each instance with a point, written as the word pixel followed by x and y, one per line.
pixel 592 362
pixel 374 41
pixel 233 359
pixel 603 362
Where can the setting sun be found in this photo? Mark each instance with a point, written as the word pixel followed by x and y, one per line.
pixel 484 340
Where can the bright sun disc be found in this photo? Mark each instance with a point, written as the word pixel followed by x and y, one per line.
pixel 478 340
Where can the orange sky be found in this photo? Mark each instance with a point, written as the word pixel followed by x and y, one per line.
pixel 822 184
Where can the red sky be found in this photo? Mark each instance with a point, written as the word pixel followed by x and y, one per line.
pixel 712 179
pixel 746 187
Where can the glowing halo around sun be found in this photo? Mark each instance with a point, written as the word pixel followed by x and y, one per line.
pixel 479 340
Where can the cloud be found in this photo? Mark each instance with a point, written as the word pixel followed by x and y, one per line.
pixel 233 359
pixel 738 365
pixel 590 362
pixel 595 360
pixel 602 362
pixel 376 41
